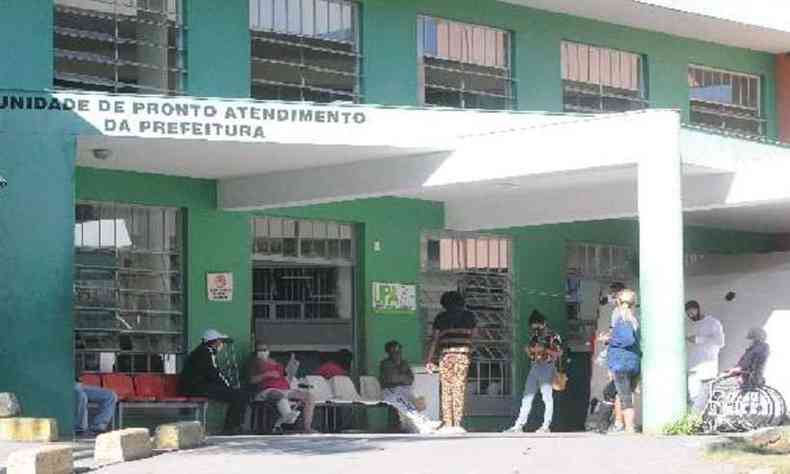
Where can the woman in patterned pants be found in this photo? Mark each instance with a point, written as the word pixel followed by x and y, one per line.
pixel 453 330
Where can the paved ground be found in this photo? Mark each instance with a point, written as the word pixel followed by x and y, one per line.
pixel 383 454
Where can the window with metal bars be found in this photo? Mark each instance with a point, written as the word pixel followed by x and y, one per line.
pixel 124 46
pixel 463 65
pixel 597 80
pixel 305 50
pixel 128 300
pixel 298 293
pixel 725 99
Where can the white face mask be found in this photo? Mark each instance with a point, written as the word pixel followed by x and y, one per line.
pixel 263 354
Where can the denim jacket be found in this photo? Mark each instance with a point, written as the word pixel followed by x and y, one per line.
pixel 624 353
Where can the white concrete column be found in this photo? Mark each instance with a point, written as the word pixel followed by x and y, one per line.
pixel 661 276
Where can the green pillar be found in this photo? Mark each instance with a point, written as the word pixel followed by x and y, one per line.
pixel 661 275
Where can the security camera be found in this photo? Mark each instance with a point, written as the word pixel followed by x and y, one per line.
pixel 3 183
pixel 102 153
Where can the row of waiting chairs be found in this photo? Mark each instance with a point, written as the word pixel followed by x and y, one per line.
pixel 149 391
pixel 341 390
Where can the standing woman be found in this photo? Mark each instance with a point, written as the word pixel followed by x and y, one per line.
pixel 453 330
pixel 624 354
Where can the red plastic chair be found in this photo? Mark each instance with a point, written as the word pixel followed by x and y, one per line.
pixel 122 385
pixel 172 392
pixel 149 386
pixel 91 379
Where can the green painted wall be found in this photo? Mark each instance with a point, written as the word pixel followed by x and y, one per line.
pixel 26 44
pixel 217 48
pixel 218 51
pixel 145 189
pixel 36 251
pixel 219 242
pixel 397 224
pixel 390 72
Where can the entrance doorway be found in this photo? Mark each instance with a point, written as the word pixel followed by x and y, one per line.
pixel 303 288
pixel 590 270
pixel 479 266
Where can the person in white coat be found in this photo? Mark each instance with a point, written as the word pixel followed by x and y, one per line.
pixel 705 336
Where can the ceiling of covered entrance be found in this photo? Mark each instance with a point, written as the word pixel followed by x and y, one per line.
pixel 221 159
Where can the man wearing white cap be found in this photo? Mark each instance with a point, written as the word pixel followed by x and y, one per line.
pixel 201 377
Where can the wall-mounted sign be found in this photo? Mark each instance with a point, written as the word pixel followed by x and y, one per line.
pixel 219 286
pixel 394 298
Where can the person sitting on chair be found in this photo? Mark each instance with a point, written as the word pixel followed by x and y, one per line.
pixel 106 401
pixel 201 377
pixel 335 364
pixel 270 378
pixel 396 383
pixel 750 366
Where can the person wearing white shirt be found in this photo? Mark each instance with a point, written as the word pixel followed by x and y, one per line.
pixel 705 337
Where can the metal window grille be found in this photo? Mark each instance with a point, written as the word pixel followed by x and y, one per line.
pixel 479 267
pixel 295 293
pixel 125 46
pixel 305 50
pixel 600 262
pixel 725 99
pixel 128 300
pixel 463 65
pixel 597 80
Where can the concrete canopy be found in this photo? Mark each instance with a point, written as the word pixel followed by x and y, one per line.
pixel 490 169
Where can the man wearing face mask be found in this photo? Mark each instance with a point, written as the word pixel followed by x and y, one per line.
pixel 270 378
pixel 705 339
pixel 201 377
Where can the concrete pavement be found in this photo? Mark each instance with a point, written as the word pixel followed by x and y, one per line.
pixel 474 453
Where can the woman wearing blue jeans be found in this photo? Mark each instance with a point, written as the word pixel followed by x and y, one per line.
pixel 544 349
pixel 624 354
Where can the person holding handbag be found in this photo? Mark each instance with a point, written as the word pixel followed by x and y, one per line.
pixel 544 350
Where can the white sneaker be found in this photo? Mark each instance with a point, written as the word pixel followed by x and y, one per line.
pixel 543 430
pixel 514 429
pixel 288 419
pixel 292 417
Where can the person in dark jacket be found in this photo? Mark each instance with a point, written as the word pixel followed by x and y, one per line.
pixel 201 377
pixel 453 330
pixel 752 363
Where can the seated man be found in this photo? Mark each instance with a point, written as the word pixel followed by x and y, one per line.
pixel 106 401
pixel 201 377
pixel 396 383
pixel 269 376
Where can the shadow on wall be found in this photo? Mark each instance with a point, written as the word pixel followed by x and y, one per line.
pixel 762 300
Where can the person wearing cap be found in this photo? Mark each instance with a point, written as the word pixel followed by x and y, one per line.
pixel 705 339
pixel 201 377
pixel 750 366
